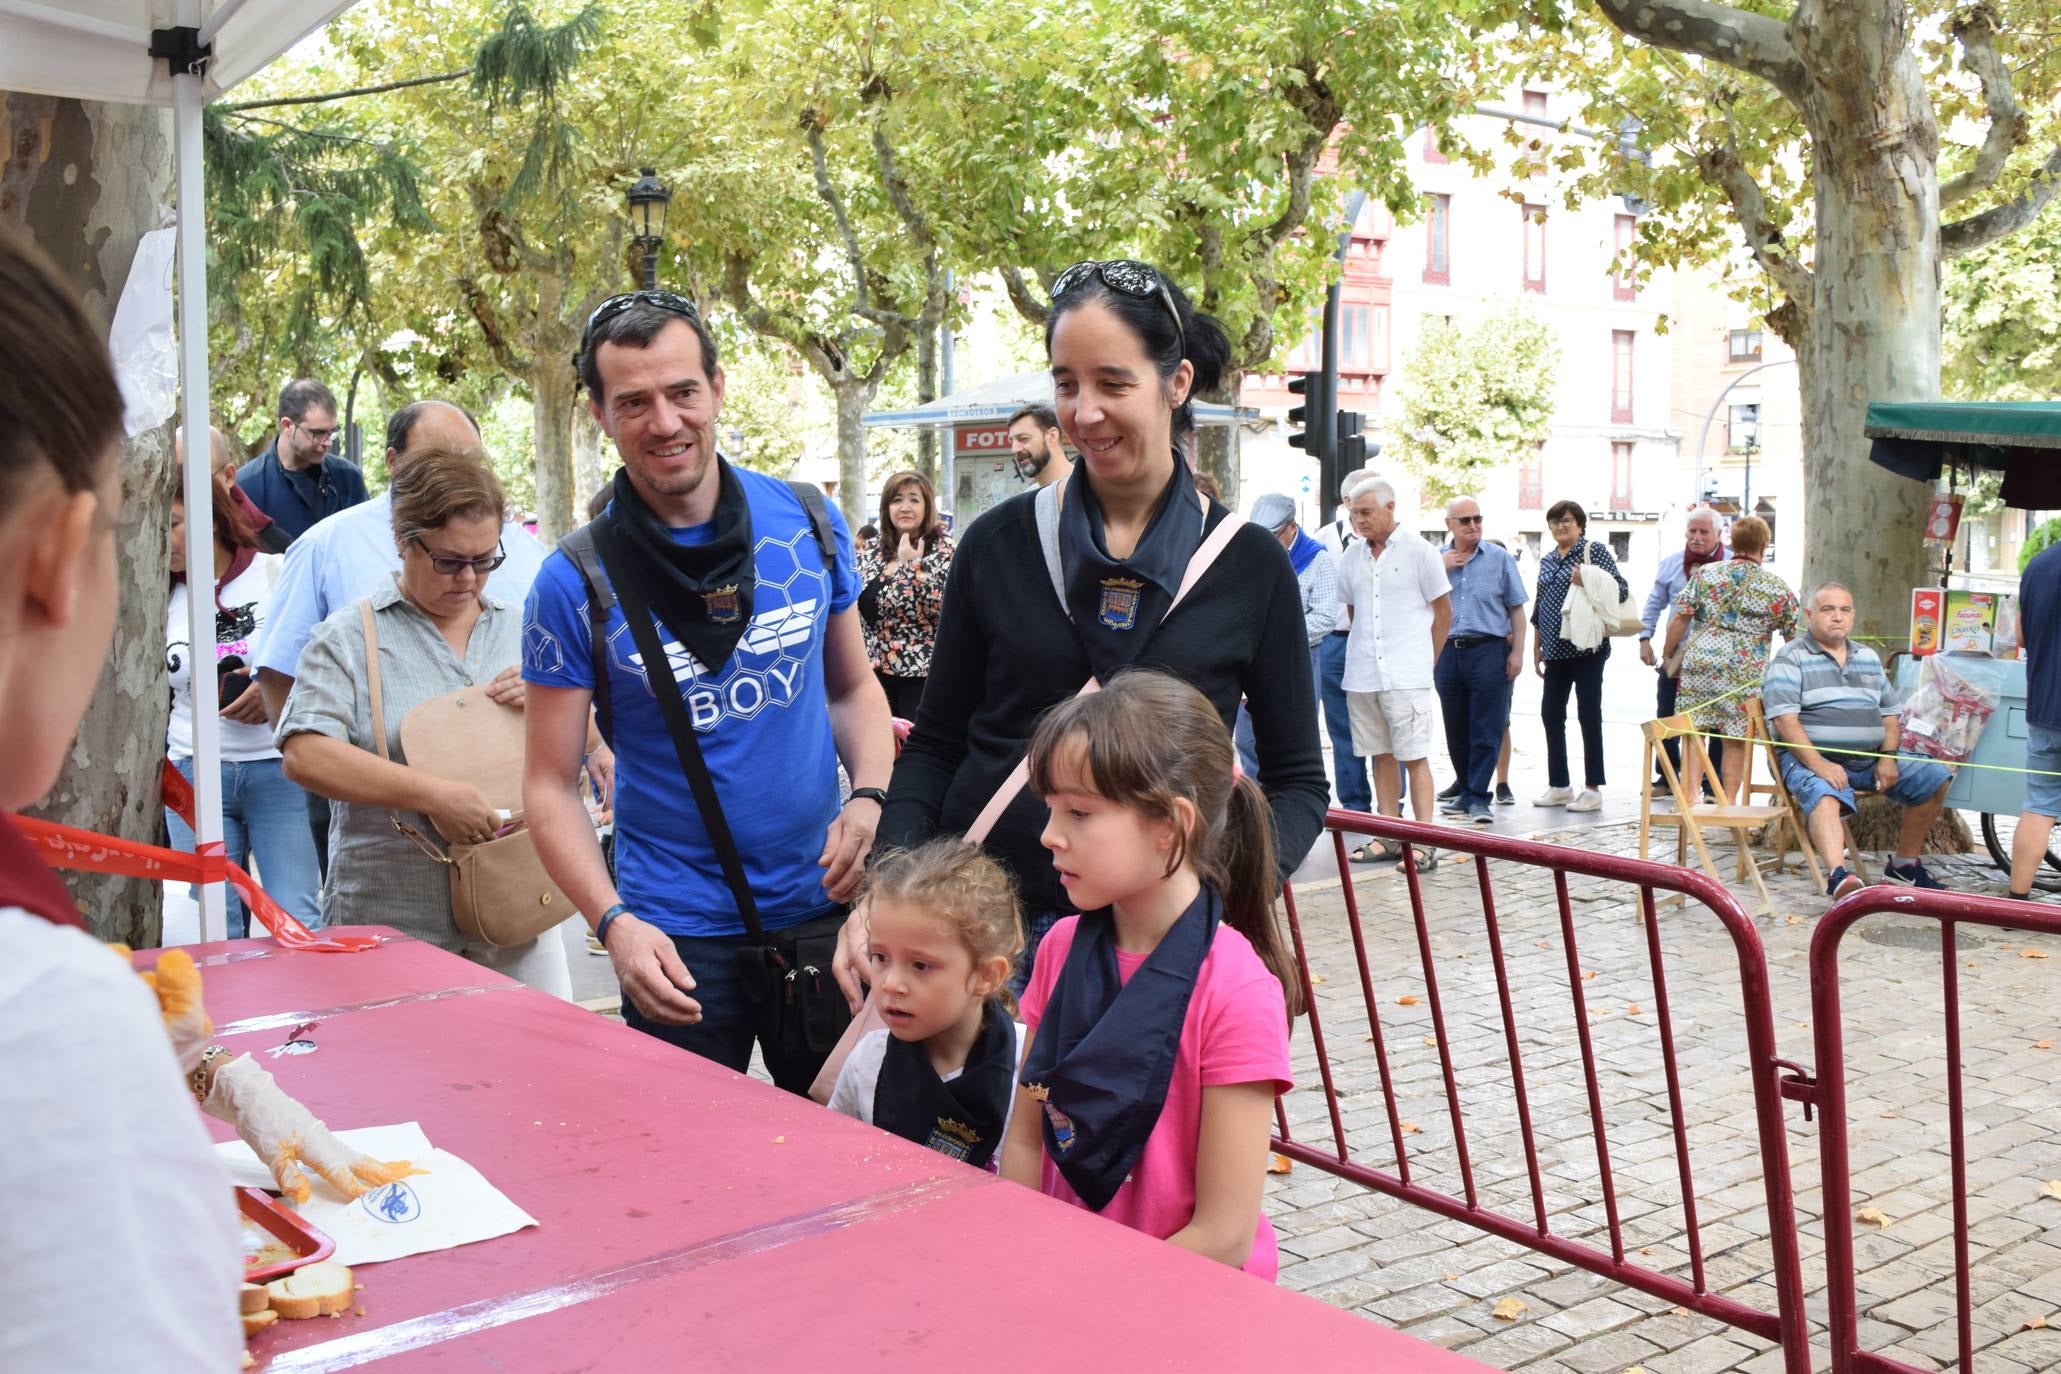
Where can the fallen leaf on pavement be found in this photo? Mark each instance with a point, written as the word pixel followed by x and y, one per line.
pixel 1587 974
pixel 1317 978
pixel 2043 1044
pixel 1645 1249
pixel 1632 1010
pixel 1889 1116
pixel 2051 1188
pixel 1545 944
pixel 1635 1369
pixel 1450 1277
pixel 1792 920
pixel 2036 1324
pixel 1507 1309
pixel 1678 1311
pixel 1279 1164
pixel 1872 1215
pixel 1406 1000
pixel 1412 1128
pixel 1431 1040
pixel 2032 954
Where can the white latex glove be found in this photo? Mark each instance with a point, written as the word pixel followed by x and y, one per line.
pixel 286 1135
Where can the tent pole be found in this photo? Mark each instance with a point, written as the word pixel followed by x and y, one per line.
pixel 187 98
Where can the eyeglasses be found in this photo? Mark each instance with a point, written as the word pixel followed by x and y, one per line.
pixel 1467 520
pixel 672 302
pixel 320 436
pixel 449 565
pixel 1139 280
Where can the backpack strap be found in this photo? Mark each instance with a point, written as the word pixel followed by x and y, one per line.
pixel 811 497
pixel 579 549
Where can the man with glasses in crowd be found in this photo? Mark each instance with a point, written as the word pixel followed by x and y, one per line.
pixel 747 643
pixel 297 481
pixel 1483 655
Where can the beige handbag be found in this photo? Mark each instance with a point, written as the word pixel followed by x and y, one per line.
pixel 500 893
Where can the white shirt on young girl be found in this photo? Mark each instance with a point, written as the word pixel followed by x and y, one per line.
pixel 858 1080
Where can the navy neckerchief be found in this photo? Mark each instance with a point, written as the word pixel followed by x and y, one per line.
pixel 1302 551
pixel 962 1118
pixel 1116 603
pixel 1104 1052
pixel 701 592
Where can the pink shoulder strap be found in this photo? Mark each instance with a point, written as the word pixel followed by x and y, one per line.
pixel 1219 539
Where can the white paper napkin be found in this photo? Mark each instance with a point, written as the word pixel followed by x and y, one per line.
pixel 450 1204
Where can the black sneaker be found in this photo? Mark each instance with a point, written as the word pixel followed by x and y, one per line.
pixel 1504 796
pixel 1842 881
pixel 1912 876
pixel 1452 792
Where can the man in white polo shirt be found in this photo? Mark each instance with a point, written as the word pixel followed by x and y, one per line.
pixel 1394 586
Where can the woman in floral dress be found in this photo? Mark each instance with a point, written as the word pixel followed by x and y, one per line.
pixel 902 576
pixel 1722 621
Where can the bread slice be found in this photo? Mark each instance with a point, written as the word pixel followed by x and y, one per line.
pixel 316 1290
pixel 254 1298
pixel 254 1322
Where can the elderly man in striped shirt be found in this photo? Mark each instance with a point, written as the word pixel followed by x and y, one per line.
pixel 1828 700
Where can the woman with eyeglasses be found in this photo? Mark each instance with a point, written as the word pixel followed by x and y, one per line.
pixel 438 631
pixel 1072 581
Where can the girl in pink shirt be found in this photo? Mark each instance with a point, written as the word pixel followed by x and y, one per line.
pixel 1157 1020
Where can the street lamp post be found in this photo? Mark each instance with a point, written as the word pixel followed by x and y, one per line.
pixel 648 198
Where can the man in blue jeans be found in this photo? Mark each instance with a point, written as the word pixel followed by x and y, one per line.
pixel 1349 774
pixel 752 603
pixel 2039 612
pixel 1828 700
pixel 1483 655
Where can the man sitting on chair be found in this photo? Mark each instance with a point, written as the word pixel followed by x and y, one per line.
pixel 1824 697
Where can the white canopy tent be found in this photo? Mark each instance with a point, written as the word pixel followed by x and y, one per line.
pixel 180 53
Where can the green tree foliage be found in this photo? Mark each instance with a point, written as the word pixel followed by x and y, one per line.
pixel 2003 319
pixel 1478 398
pixel 1851 149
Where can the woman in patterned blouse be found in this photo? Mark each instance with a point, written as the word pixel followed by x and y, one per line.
pixel 1565 667
pixel 903 577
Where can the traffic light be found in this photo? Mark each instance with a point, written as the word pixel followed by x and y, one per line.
pixel 1352 442
pixel 1307 430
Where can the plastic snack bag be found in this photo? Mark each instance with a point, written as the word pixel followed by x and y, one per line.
pixel 1945 715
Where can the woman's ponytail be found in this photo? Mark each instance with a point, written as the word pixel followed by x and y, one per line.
pixel 1250 881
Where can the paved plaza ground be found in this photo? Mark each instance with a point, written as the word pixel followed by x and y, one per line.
pixel 1444 1280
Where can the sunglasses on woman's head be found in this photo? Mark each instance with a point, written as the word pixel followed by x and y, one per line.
pixel 672 302
pixel 1139 280
pixel 449 565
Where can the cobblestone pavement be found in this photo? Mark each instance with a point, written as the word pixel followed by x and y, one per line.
pixel 1443 1280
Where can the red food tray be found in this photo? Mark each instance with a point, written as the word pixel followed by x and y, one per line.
pixel 303 1242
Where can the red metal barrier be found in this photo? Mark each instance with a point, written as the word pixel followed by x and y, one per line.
pixel 1786 1326
pixel 1828 1094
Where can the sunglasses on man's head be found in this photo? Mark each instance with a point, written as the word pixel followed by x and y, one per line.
pixel 672 302
pixel 450 565
pixel 1138 280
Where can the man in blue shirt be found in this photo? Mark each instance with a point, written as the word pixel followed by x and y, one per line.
pixel 297 480
pixel 1700 544
pixel 1484 653
pixel 2039 615
pixel 760 632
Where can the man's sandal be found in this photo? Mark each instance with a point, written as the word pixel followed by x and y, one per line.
pixel 1376 851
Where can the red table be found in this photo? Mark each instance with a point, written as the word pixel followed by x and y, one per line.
pixel 694 1217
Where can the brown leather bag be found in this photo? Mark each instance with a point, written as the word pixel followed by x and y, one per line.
pixel 500 893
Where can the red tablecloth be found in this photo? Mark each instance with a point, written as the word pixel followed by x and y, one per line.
pixel 694 1217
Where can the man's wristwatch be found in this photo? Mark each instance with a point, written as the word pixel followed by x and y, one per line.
pixel 876 795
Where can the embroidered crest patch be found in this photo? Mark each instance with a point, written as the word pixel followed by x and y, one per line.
pixel 1119 609
pixel 1062 1127
pixel 722 605
pixel 954 1138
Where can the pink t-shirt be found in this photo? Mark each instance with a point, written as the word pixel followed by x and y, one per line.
pixel 1236 1032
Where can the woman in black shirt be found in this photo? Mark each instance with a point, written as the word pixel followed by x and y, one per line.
pixel 1056 585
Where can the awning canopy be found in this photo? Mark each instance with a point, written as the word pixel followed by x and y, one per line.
pixel 100 49
pixel 2021 439
pixel 991 403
